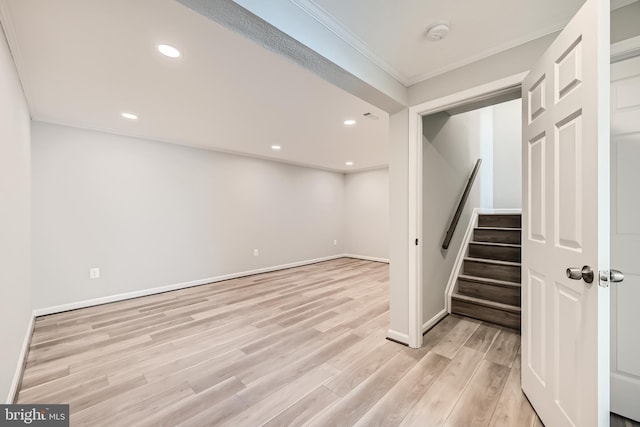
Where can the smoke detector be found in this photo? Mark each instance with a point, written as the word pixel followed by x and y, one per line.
pixel 438 31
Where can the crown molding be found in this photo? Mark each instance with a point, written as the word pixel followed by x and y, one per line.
pixel 6 24
pixel 485 54
pixel 336 27
pixel 312 9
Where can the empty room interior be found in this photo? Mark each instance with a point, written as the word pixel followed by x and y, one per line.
pixel 314 212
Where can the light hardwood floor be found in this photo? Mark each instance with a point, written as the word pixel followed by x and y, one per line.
pixel 304 346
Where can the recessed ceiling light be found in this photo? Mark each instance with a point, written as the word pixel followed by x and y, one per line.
pixel 169 51
pixel 348 163
pixel 349 122
pixel 276 147
pixel 129 116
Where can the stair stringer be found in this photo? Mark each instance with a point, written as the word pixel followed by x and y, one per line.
pixel 452 284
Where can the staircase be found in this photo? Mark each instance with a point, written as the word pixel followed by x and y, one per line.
pixel 488 287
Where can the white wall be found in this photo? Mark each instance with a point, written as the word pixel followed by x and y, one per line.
pixel 507 154
pixel 15 199
pixel 150 214
pixel 399 226
pixel 504 64
pixel 367 214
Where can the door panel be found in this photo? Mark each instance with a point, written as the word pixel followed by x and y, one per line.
pixel 566 224
pixel 536 191
pixel 537 338
pixel 568 182
pixel 625 237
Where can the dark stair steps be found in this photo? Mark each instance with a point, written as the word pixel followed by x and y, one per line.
pixel 500 220
pixel 490 289
pixel 497 235
pixel 488 286
pixel 488 311
pixel 498 251
pixel 492 269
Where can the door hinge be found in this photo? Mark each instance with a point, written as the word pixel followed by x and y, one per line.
pixel 416 242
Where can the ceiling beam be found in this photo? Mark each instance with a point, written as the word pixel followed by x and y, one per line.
pixel 284 28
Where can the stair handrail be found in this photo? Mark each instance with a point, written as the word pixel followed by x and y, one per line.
pixel 463 201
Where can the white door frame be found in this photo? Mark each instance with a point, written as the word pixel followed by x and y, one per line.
pixel 479 93
pixel 619 50
pixel 625 49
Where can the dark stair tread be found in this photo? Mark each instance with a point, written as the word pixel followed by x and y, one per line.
pixel 486 303
pixel 504 220
pixel 493 261
pixel 487 281
pixel 495 244
pixel 499 228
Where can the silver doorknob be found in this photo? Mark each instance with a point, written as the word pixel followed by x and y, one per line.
pixel 610 276
pixel 586 274
pixel 615 276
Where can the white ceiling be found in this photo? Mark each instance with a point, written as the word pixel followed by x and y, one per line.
pixel 392 34
pixel 82 62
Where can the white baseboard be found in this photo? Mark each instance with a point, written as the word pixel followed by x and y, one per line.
pixel 22 360
pixel 145 292
pixel 152 291
pixel 367 258
pixel 398 336
pixel 15 385
pixel 499 211
pixel 435 319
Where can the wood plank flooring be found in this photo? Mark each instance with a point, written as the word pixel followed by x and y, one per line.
pixel 303 346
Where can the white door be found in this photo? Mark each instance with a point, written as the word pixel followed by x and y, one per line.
pixel 625 237
pixel 565 322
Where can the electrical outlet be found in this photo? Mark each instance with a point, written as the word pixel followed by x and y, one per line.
pixel 256 252
pixel 94 273
pixel 335 243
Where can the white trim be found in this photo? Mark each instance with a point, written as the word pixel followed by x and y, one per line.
pixel 414 167
pixel 145 292
pixel 16 54
pixel 22 360
pixel 457 265
pixel 398 336
pixel 486 54
pixel 499 211
pixel 625 49
pixel 467 96
pixel 367 258
pixel 312 9
pixel 415 230
pixel 434 320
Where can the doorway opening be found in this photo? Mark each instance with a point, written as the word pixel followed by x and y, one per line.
pixel 452 141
